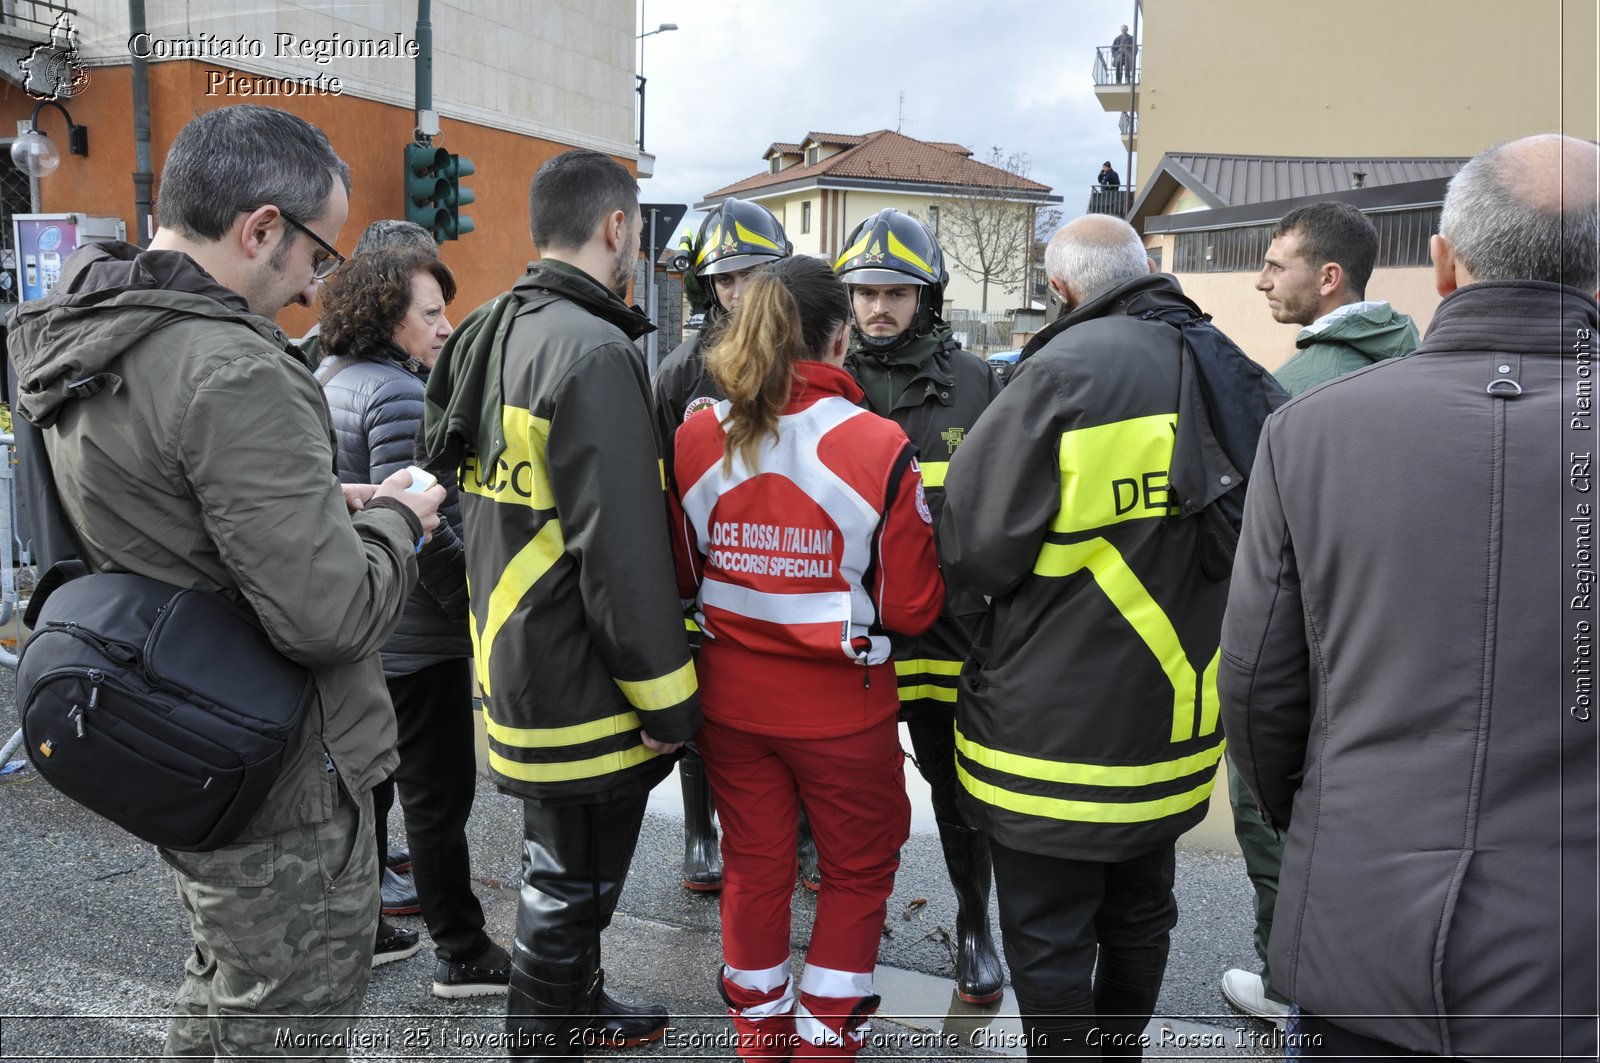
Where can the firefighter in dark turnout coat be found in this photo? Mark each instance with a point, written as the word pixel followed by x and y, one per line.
pixel 915 374
pixel 576 626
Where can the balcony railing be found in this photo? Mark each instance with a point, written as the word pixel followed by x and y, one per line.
pixel 1107 70
pixel 34 17
pixel 1110 199
pixel 1129 123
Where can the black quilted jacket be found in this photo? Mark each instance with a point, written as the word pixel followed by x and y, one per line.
pixel 377 414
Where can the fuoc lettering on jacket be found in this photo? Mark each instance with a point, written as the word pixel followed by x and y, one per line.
pixel 516 478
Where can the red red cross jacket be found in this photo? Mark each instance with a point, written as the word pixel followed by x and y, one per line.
pixel 801 567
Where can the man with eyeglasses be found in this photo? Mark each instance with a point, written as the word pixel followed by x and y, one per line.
pixel 191 444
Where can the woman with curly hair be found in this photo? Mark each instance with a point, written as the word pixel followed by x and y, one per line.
pixel 383 326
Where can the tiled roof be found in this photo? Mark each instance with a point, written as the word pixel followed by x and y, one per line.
pixel 886 155
pixel 844 139
pixel 781 148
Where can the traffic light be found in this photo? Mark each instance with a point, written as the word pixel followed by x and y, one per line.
pixel 427 188
pixel 456 224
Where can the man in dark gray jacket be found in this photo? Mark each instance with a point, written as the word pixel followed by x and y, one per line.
pixel 1407 658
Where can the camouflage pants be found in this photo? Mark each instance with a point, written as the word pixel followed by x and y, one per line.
pixel 283 930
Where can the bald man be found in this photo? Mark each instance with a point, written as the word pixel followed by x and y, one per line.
pixel 1085 739
pixel 1408 655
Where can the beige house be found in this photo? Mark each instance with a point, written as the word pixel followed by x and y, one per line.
pixel 825 184
pixel 1303 101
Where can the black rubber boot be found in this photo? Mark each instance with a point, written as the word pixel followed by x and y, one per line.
pixel 547 1010
pixel 702 860
pixel 613 1024
pixel 805 850
pixel 979 979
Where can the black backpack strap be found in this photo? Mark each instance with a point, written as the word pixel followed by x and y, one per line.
pixel 59 573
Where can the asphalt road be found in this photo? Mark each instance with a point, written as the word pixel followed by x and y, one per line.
pixel 93 941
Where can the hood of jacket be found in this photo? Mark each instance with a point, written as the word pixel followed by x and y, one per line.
pixel 1376 331
pixel 1153 291
pixel 111 296
pixel 463 398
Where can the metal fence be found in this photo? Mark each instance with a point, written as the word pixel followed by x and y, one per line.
pixel 981 332
pixel 1105 66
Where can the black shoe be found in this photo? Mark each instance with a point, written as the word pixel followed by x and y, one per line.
pixel 398 861
pixel 485 976
pixel 618 1025
pixel 394 943
pixel 399 894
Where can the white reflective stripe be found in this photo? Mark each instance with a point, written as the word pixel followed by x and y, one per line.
pixel 826 607
pixel 814 1031
pixel 827 982
pixel 764 981
pixel 795 452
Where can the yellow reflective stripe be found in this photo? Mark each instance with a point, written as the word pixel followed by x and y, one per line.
pixel 901 251
pixel 521 476
pixel 1129 597
pixel 930 691
pixel 525 569
pixel 1116 472
pixel 570 735
pixel 690 625
pixel 750 236
pixel 1210 702
pixel 566 771
pixel 1063 771
pixel 713 238
pixel 661 467
pixel 1083 811
pixel 933 473
pixel 663 692
pixel 931 667
pixel 854 249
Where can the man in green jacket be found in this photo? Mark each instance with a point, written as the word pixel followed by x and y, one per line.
pixel 1315 275
pixel 190 444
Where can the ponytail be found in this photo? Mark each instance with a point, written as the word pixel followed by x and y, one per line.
pixel 788 312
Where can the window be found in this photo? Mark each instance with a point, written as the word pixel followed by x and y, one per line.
pixel 813 153
pixel 777 164
pixel 933 219
pixel 805 216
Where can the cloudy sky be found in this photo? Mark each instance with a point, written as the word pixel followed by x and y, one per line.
pixel 738 75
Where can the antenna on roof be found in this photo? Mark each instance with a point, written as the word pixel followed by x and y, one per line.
pixel 901 119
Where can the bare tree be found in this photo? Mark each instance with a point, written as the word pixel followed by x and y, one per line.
pixel 988 235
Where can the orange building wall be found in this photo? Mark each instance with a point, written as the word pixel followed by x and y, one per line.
pixel 368 135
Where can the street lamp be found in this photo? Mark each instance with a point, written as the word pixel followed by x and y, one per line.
pixel 33 152
pixel 665 27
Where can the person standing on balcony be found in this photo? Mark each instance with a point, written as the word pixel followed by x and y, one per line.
pixel 1108 178
pixel 1122 55
pixel 913 373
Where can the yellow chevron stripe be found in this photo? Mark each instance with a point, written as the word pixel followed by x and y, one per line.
pixel 525 569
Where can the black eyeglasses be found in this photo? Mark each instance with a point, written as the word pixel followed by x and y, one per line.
pixel 322 268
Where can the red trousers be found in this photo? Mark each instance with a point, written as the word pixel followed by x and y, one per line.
pixel 854 792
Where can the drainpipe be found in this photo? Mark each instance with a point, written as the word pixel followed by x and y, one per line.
pixel 143 176
pixel 1133 113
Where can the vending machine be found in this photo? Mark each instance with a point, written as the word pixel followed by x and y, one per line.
pixel 43 242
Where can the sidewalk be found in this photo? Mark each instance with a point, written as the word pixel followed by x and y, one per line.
pixel 94 942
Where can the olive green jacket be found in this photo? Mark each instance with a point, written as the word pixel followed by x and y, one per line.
pixel 195 448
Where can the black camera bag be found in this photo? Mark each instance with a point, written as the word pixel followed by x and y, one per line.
pixel 166 710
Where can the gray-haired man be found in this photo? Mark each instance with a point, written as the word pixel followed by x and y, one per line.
pixel 1406 662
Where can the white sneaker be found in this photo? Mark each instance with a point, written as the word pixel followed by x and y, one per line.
pixel 1245 992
